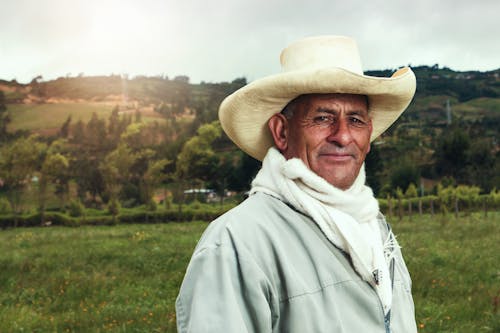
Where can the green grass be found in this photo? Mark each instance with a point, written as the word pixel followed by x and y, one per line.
pixel 472 109
pixel 46 116
pixel 99 279
pixel 491 105
pixel 39 117
pixel 455 270
pixel 125 278
pixel 433 101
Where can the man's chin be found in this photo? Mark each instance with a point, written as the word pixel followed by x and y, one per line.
pixel 342 183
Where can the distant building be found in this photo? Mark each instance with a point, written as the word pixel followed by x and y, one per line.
pixel 200 194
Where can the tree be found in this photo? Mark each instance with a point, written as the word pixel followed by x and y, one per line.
pixel 96 132
pixel 136 136
pixel 239 82
pixel 54 171
pixel 153 176
pixel 374 166
pixel 114 208
pixel 182 94
pixel 88 178
pixel 197 159
pixel 78 132
pixel 411 191
pixel 138 116
pixel 482 165
pixel 4 117
pixel 403 174
pixel 18 163
pixel 115 169
pixel 182 79
pixel 197 162
pixel 451 153
pixel 243 171
pixel 37 88
pixel 64 131
pixel 114 124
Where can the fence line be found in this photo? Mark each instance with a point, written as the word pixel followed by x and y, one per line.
pixel 431 204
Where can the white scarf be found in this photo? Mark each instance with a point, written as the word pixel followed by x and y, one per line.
pixel 347 218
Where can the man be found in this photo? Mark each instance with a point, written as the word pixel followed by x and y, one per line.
pixel 308 251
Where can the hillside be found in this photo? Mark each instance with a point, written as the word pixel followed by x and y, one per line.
pixel 471 94
pixel 450 129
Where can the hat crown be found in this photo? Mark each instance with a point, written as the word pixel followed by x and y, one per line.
pixel 322 52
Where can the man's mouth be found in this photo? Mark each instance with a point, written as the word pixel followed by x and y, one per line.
pixel 337 157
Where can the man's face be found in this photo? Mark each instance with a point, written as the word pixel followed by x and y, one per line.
pixel 330 133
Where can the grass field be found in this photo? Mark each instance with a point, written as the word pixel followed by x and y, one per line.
pixel 42 117
pixel 125 278
pixel 455 270
pixel 97 279
pixel 46 116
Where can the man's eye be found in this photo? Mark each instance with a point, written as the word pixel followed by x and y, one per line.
pixel 323 119
pixel 358 121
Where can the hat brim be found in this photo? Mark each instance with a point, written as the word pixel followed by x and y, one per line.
pixel 245 113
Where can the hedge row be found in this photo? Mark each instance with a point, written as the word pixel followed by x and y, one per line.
pixel 56 218
pixel 428 204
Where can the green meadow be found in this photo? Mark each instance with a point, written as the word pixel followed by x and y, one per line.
pixel 42 117
pixel 454 264
pixel 125 278
pixel 93 279
pixel 46 116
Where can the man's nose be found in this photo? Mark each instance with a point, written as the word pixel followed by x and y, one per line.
pixel 340 133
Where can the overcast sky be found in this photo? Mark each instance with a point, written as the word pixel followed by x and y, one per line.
pixel 220 40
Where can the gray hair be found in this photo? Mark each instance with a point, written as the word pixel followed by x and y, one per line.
pixel 289 109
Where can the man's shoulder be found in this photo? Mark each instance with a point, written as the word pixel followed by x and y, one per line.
pixel 257 206
pixel 258 215
pixel 257 210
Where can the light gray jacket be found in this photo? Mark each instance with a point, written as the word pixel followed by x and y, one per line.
pixel 264 267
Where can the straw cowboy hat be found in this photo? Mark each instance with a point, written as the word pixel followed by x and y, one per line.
pixel 324 64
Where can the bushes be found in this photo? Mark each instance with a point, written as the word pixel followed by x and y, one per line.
pixel 76 208
pixel 114 207
pixel 450 199
pixel 5 207
pixel 194 212
pixel 203 212
pixel 35 220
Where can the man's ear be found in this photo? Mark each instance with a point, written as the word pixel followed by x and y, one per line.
pixel 278 125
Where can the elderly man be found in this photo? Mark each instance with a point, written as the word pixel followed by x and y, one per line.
pixel 308 251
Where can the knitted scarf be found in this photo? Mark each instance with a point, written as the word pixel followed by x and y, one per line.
pixel 347 218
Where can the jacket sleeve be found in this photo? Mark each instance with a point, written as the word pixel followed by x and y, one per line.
pixel 224 291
